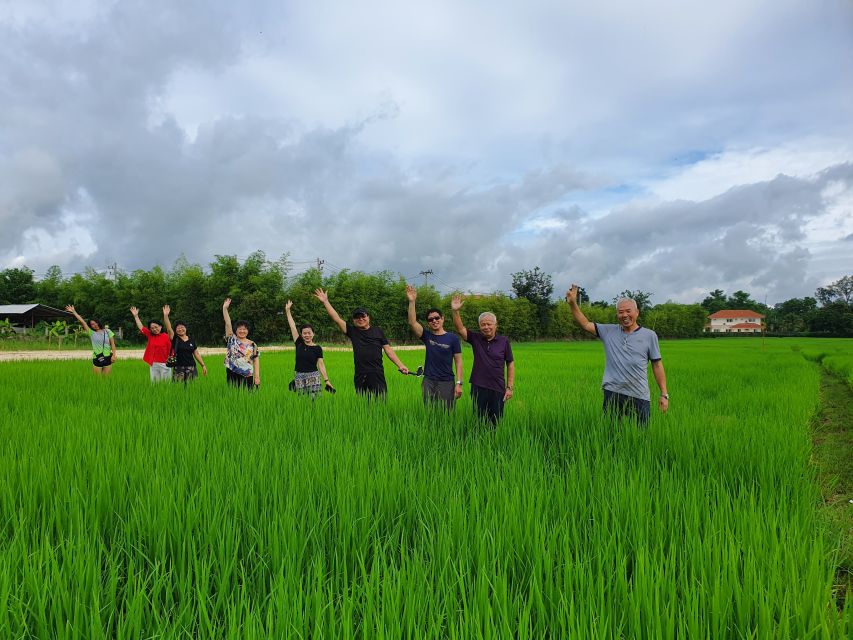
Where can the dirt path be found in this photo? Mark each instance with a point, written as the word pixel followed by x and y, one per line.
pixel 136 354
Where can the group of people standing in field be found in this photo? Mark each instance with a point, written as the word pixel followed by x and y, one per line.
pixel 493 368
pixel 629 348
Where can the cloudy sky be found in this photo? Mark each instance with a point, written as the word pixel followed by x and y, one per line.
pixel 670 146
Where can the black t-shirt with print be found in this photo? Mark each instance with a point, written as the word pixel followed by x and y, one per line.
pixel 184 352
pixel 307 356
pixel 367 349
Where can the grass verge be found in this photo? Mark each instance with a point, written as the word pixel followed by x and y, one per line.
pixel 833 458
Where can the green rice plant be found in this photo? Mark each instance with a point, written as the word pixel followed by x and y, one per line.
pixel 840 365
pixel 176 511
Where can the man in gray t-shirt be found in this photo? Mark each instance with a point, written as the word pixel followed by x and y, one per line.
pixel 628 348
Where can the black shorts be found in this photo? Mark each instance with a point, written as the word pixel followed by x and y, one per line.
pixel 371 384
pixel 104 363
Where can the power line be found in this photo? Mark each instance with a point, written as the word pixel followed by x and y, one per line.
pixel 452 287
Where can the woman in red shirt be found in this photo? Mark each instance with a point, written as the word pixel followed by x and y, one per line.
pixel 157 349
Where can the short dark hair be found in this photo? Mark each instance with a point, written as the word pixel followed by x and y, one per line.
pixel 179 323
pixel 305 326
pixel 97 322
pixel 433 310
pixel 150 322
pixel 242 323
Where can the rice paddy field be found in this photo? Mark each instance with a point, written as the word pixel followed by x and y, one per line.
pixel 131 511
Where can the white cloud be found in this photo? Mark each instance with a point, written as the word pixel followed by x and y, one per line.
pixel 630 145
pixel 734 167
pixel 64 241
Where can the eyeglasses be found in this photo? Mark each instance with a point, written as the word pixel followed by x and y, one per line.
pixel 434 319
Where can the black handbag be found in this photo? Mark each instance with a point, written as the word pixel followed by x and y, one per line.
pixel 101 361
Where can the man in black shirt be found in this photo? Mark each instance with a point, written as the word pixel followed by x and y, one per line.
pixel 368 343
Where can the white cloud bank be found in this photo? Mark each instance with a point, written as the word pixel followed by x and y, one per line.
pixel 664 147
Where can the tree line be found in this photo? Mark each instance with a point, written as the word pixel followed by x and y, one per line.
pixel 259 288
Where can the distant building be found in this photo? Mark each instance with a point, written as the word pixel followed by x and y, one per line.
pixel 26 316
pixel 735 321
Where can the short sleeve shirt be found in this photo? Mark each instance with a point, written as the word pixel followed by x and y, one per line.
pixel 158 347
pixel 490 357
pixel 101 342
pixel 367 349
pixel 184 350
pixel 307 356
pixel 439 355
pixel 627 357
pixel 239 356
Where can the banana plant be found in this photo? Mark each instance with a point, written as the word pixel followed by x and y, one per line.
pixel 58 330
pixel 7 331
pixel 77 332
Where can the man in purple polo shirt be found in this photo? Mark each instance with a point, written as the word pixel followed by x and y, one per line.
pixel 489 389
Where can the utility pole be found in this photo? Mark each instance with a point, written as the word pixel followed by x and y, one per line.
pixel 114 269
pixel 320 264
pixel 426 274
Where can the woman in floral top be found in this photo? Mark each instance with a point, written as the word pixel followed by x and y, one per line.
pixel 242 364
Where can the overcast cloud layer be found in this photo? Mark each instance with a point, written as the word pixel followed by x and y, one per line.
pixel 671 147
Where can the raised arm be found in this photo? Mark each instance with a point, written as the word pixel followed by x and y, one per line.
pixel 135 313
pixel 389 351
pixel 70 309
pixel 580 318
pixel 660 378
pixel 323 297
pixel 455 305
pixel 228 330
pixel 166 311
pixel 412 295
pixel 290 321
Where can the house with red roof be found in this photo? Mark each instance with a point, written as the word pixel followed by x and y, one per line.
pixel 735 321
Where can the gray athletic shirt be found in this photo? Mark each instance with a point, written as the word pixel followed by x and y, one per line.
pixel 627 357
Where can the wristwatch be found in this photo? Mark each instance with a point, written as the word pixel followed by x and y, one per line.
pixel 664 395
pixel 459 382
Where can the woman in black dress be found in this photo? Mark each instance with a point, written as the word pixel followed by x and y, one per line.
pixel 309 359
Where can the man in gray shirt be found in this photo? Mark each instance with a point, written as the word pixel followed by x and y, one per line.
pixel 628 348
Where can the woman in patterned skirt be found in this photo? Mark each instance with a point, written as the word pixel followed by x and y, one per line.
pixel 309 359
pixel 185 350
